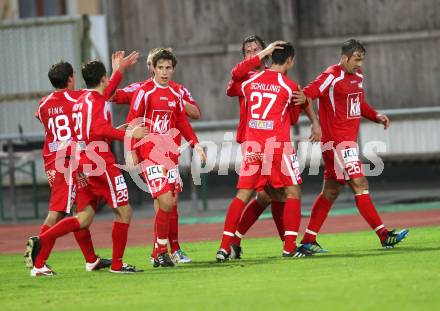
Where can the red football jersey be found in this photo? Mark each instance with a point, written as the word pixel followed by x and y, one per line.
pixel 341 101
pixel 55 113
pixel 268 95
pixel 96 123
pixel 242 72
pixel 161 110
pixel 61 117
pixel 124 96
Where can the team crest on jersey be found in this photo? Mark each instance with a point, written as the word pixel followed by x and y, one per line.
pixel 261 124
pixel 360 85
pixel 172 104
pixel 354 105
pixel 160 120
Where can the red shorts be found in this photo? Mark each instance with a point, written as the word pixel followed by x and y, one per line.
pixel 160 180
pixel 342 164
pixel 257 171
pixel 109 186
pixel 62 188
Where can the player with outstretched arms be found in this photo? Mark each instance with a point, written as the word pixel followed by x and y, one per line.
pixel 340 93
pixel 268 154
pixel 105 180
pixel 159 106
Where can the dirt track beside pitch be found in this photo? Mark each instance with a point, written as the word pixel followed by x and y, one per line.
pixel 13 237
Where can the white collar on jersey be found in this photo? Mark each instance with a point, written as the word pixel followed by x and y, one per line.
pixel 160 86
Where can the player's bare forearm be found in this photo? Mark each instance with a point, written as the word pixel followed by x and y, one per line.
pixel 383 119
pixel 192 111
pixel 310 112
pixel 276 45
pixel 315 130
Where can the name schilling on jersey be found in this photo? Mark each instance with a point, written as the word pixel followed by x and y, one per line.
pixel 261 124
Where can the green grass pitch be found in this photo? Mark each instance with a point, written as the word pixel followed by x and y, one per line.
pixel 356 275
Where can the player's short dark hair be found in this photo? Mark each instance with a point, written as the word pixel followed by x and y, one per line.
pixel 352 46
pixel 93 72
pixel 253 38
pixel 165 54
pixel 59 74
pixel 280 56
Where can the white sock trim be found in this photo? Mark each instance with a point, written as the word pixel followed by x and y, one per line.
pixel 311 232
pixel 290 233
pixel 379 227
pixel 162 241
pixel 239 234
pixel 228 233
pixel 362 193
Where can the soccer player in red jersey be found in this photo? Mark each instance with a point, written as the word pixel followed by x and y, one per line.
pixel 268 155
pixel 93 134
pixel 192 111
pixel 255 54
pixel 342 104
pixel 55 113
pixel 159 105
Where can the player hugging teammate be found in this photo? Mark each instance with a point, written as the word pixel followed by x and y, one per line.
pixel 82 170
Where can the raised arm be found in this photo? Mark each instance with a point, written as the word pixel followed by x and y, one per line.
pixel 119 65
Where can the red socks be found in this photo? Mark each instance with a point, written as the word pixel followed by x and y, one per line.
pixel 277 209
pixel 154 252
pixel 48 238
pixel 292 220
pixel 43 229
pixel 119 237
pixel 84 240
pixel 320 210
pixel 173 234
pixel 162 226
pixel 368 211
pixel 231 222
pixel 250 215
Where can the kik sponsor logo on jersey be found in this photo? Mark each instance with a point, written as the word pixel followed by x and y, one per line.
pixel 354 105
pixel 161 120
pixel 120 183
pixel 261 124
pixel 350 155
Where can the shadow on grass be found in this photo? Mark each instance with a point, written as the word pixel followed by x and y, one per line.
pixel 276 259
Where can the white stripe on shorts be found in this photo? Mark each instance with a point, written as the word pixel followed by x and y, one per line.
pixel 292 175
pixel 110 185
